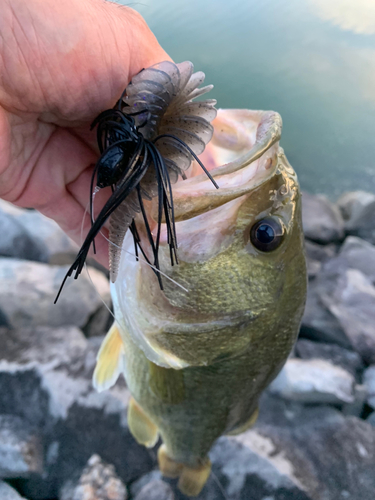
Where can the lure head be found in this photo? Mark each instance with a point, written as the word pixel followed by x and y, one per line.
pixel 240 249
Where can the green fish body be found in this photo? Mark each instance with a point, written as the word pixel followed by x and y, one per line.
pixel 197 355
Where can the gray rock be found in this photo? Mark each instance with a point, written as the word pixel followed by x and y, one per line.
pixel 98 481
pixel 321 219
pixel 45 378
pixel 313 268
pixel 156 490
pixel 139 484
pixel 358 208
pixel 356 253
pixel 347 359
pixel 17 242
pixel 371 419
pixel 59 249
pixel 8 493
pixel 99 323
pixel 320 253
pixel 245 474
pixel 314 381
pixel 350 297
pixel 317 254
pixel 294 452
pixel 330 455
pixel 340 306
pixel 369 381
pixel 28 290
pixel 357 406
pixel 353 201
pixel 318 323
pixel 21 448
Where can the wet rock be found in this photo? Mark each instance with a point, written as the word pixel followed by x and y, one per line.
pixel 28 290
pixel 45 378
pixel 98 481
pixel 347 359
pixel 21 448
pixel 358 207
pixel 8 493
pixel 318 323
pixel 350 297
pixel 321 219
pixel 17 242
pixel 59 249
pixel 314 381
pixel 369 381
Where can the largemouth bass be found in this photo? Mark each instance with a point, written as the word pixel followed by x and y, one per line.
pixel 197 353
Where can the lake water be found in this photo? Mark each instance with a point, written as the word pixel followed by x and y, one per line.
pixel 313 61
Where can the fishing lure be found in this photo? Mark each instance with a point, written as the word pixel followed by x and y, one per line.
pixel 146 142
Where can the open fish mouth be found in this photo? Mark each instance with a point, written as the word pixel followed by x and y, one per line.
pixel 242 155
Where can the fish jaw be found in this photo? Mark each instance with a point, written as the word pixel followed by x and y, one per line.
pixel 224 294
pixel 238 161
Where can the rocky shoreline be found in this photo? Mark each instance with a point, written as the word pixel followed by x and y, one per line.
pixel 60 440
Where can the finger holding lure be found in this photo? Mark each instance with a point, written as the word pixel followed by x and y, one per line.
pixel 146 142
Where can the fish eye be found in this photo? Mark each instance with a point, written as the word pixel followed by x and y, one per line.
pixel 267 234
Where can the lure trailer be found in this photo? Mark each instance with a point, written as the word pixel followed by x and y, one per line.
pixel 146 142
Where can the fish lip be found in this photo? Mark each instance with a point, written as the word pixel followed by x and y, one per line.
pixel 236 171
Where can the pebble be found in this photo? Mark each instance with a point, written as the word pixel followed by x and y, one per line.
pixel 98 481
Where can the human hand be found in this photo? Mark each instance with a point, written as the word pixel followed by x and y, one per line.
pixel 61 64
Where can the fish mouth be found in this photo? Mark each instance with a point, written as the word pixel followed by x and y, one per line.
pixel 242 154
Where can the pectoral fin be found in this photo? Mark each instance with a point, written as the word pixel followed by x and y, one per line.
pixel 110 360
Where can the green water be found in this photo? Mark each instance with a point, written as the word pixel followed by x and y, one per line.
pixel 313 61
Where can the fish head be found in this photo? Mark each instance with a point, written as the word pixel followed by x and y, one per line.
pixel 241 273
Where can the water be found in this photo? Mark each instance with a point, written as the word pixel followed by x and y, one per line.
pixel 313 61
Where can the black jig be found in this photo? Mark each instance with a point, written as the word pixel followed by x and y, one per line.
pixel 126 156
